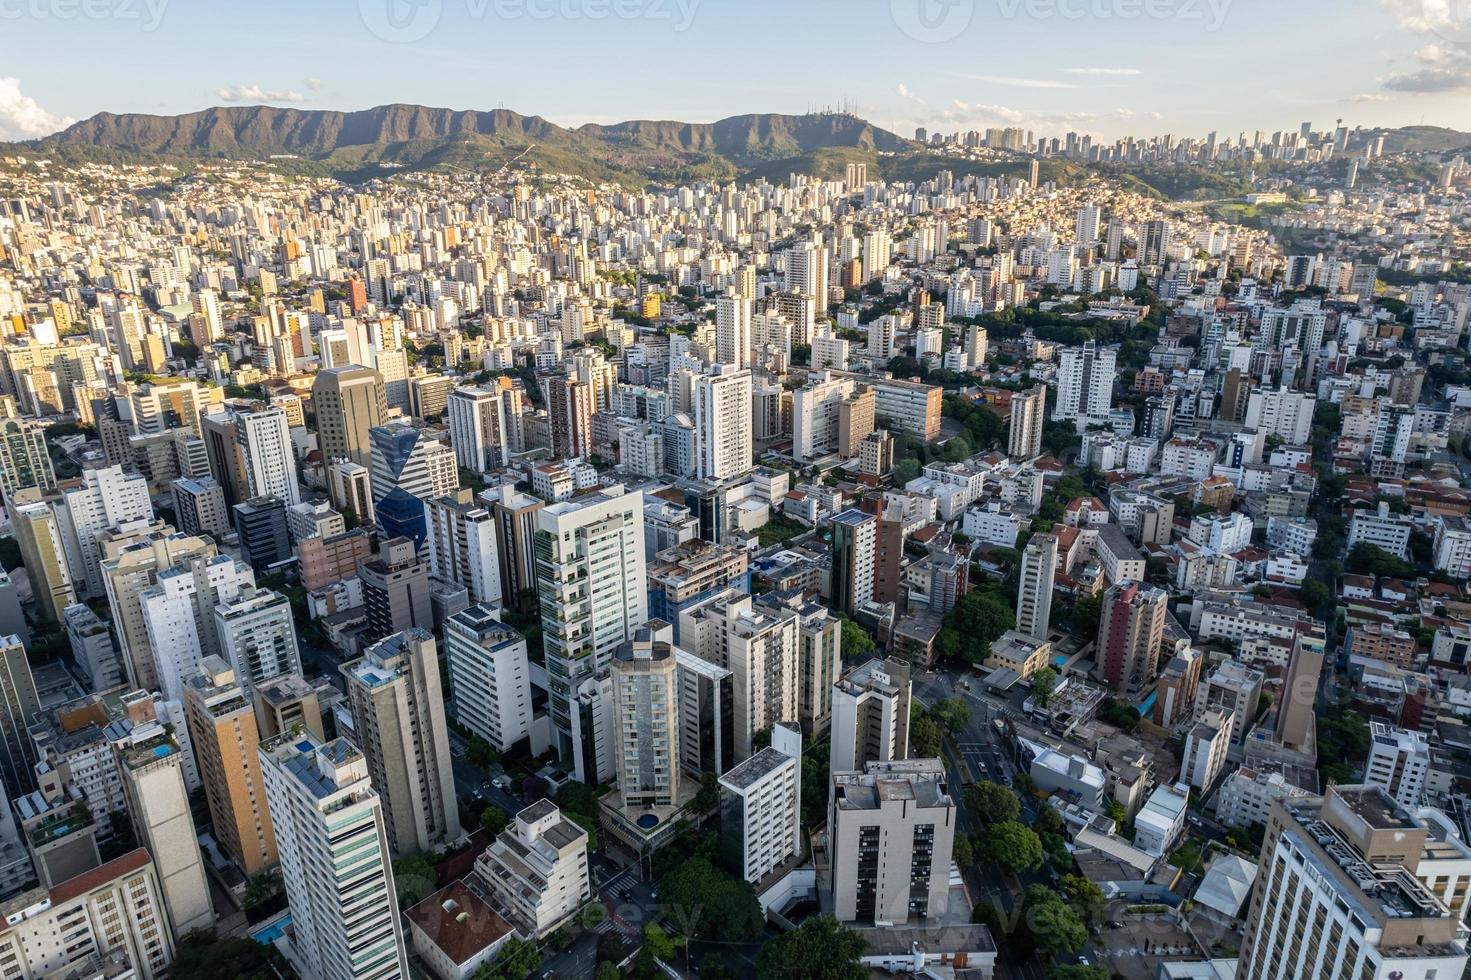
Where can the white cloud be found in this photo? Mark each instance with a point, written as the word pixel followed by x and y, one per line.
pixel 1014 82
pixel 314 84
pixel 1444 65
pixel 22 118
pixel 1105 72
pixel 254 93
pixel 1365 98
pixel 904 92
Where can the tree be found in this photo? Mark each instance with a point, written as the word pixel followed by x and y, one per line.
pixel 609 971
pixel 578 798
pixel 10 558
pixel 962 851
pixel 1081 894
pixel 722 907
pixel 516 960
pixel 1368 559
pixel 819 950
pixel 1016 848
pixel 493 820
pixel 975 623
pixel 201 955
pixel 992 803
pixel 1120 714
pixel 906 470
pixel 1044 682
pixel 1315 595
pixel 855 641
pixel 413 875
pixel 1053 924
pixel 924 734
pixel 951 714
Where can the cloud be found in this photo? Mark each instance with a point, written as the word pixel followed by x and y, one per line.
pixel 254 93
pixel 22 118
pixel 1105 72
pixel 903 91
pixel 1444 65
pixel 1014 82
pixel 1366 98
pixel 314 84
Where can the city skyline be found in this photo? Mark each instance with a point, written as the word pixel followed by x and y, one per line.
pixel 1112 68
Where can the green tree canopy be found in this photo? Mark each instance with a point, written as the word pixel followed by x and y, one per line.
pixel 992 803
pixel 516 960
pixel 1044 682
pixel 924 734
pixel 1054 925
pixel 203 956
pixel 974 624
pixel 722 907
pixel 1014 847
pixel 819 950
pixel 856 641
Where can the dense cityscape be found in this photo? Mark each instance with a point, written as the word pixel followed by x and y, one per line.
pixel 1005 555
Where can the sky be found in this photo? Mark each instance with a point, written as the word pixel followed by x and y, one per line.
pixel 1110 68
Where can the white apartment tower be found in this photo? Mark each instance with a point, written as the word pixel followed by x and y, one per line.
pixel 1398 762
pixel 1034 592
pixel 722 400
pixel 344 913
pixel 489 676
pixel 593 591
pixel 265 446
pixel 1085 378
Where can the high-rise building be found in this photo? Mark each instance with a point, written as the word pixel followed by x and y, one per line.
pixel 151 763
pixel 854 554
pixel 870 715
pixel 1130 630
pixel 99 500
pixel 760 646
pixel 350 488
pixel 1342 894
pixel 819 654
pixel 344 914
pixel 257 636
pixel 593 590
pixel 92 648
pixel 477 426
pixel 570 407
pixel 348 401
pixel 410 466
pixel 462 545
pixel 489 676
pixel 1398 762
pixel 396 590
pixel 646 706
pixel 37 529
pixel 733 331
pixel 896 821
pixel 722 401
pixel 25 461
pixel 265 447
pixel 199 506
pixel 398 719
pixel 265 540
pixel 706 710
pixel 109 921
pixel 515 522
pixel 686 575
pixel 19 704
pixel 1085 377
pixel 1296 708
pixel 1028 419
pixel 761 806
pixel 139 558
pixel 1034 590
pixel 178 612
pixel 286 702
pixel 226 460
pixel 225 737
